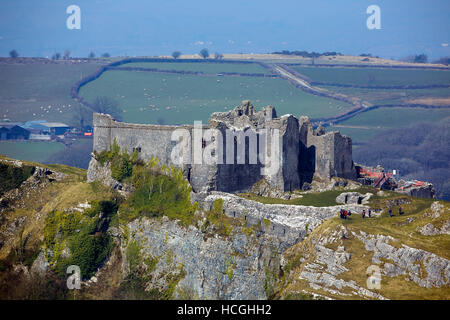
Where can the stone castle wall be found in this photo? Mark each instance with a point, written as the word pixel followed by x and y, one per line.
pixel 305 153
pixel 151 140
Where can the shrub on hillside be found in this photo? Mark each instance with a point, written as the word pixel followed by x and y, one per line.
pixel 12 176
pixel 83 233
pixel 121 162
pixel 159 190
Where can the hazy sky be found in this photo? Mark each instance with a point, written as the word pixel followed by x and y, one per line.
pixel 156 27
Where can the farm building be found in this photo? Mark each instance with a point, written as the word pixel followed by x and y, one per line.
pixel 44 127
pixel 56 128
pixel 37 126
pixel 12 130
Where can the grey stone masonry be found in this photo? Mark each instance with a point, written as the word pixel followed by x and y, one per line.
pixel 304 153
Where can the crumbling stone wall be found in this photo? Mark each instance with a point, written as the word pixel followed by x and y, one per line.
pixel 305 153
pixel 324 155
pixel 150 140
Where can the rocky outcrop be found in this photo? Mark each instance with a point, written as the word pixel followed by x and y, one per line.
pixel 40 178
pixel 235 267
pixel 102 173
pixel 290 223
pixel 430 230
pixel 353 198
pixel 241 265
pixel 424 268
pixel 437 210
pixel 324 266
pixel 264 189
pixel 211 268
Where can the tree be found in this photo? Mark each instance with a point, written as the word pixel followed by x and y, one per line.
pixel 176 54
pixel 77 154
pixel 66 54
pixel 56 56
pixel 14 54
pixel 107 105
pixel 421 58
pixel 82 117
pixel 91 55
pixel 204 53
pixel 218 56
pixel 106 55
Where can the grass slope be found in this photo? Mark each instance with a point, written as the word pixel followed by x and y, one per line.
pixel 35 90
pixel 397 227
pixel 365 125
pixel 147 97
pixel 209 67
pixel 375 76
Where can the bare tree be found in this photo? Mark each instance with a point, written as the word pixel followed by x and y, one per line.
pixel 176 54
pixel 14 54
pixel 56 56
pixel 107 105
pixel 66 54
pixel 204 53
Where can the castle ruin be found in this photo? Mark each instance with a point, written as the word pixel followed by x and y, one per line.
pixel 305 153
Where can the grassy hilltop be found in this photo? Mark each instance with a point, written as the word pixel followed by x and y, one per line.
pixel 50 212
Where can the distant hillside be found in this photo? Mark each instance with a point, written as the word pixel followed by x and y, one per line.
pixel 418 152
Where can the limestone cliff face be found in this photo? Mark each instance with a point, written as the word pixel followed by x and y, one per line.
pixel 290 224
pixel 239 266
pixel 243 265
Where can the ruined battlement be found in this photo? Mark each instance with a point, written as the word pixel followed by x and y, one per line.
pixel 304 153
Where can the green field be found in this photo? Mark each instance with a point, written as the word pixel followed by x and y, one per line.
pixel 147 97
pixel 358 135
pixel 41 91
pixel 375 76
pixel 375 121
pixel 208 67
pixel 38 90
pixel 37 151
pixel 391 96
pixel 397 117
